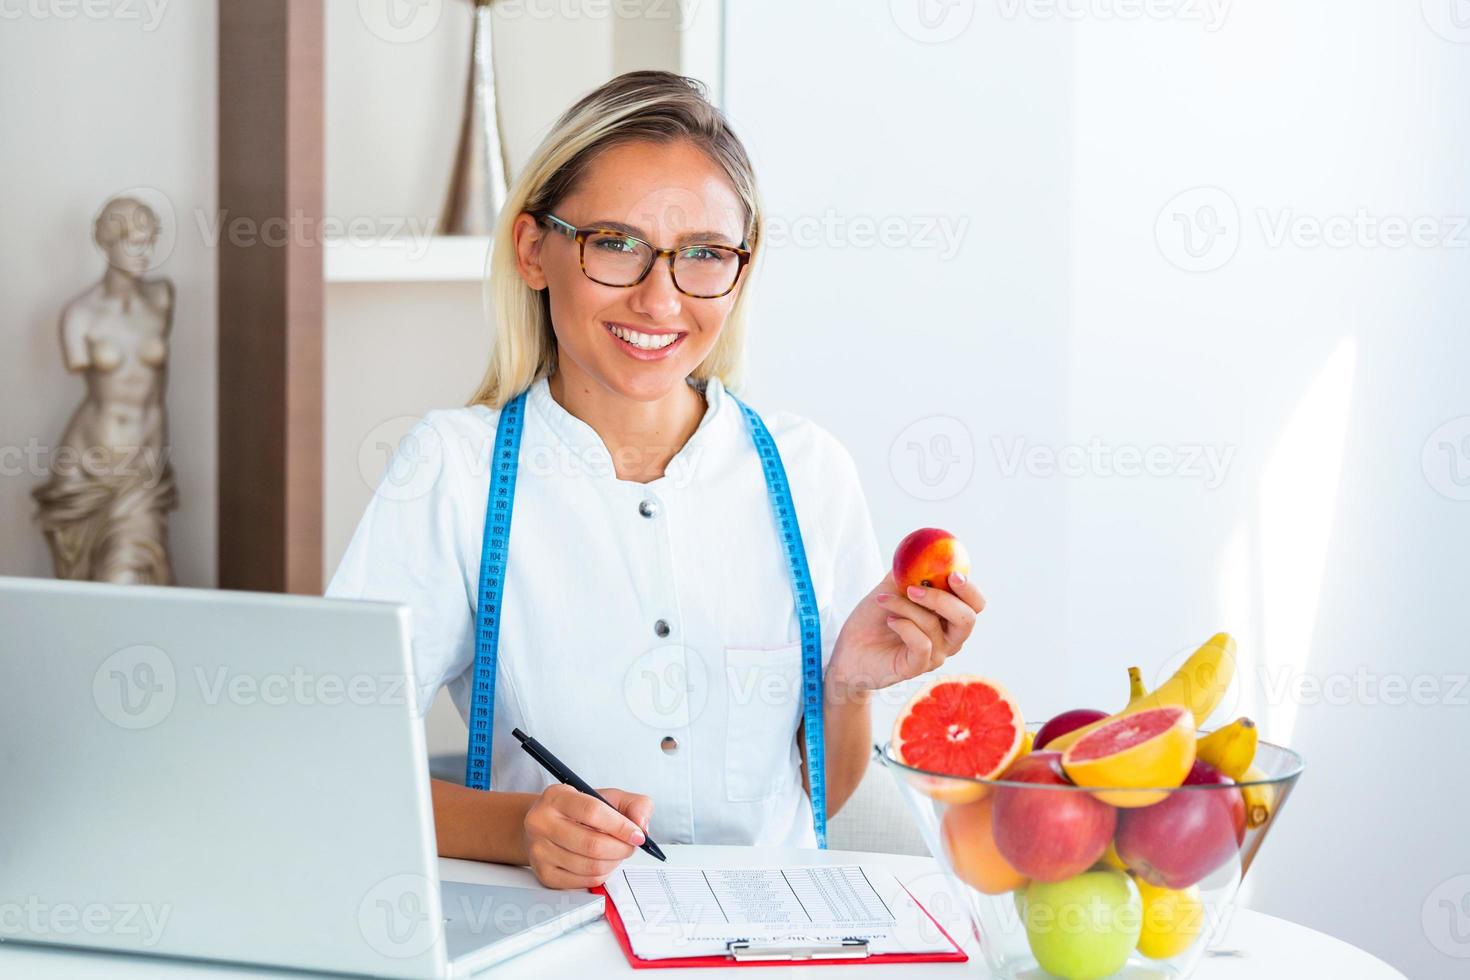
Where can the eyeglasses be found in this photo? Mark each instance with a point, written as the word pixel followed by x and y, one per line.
pixel 615 258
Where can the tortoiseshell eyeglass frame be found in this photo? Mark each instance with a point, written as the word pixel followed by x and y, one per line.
pixel 742 254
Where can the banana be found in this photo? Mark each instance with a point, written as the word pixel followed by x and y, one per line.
pixel 1231 749
pixel 1198 685
pixel 1260 800
pixel 1136 689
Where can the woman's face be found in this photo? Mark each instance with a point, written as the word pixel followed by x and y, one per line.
pixel 666 194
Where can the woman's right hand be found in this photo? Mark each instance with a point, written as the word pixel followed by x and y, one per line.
pixel 575 841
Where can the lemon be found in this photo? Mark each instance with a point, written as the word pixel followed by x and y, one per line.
pixel 1172 920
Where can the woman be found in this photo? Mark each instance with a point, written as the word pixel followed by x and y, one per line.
pixel 646 622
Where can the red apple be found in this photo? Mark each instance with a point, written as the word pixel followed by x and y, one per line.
pixel 926 557
pixel 1049 833
pixel 1178 842
pixel 1065 722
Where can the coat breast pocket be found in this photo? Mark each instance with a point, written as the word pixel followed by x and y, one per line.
pixel 763 686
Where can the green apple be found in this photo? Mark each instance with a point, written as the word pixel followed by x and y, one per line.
pixel 1084 927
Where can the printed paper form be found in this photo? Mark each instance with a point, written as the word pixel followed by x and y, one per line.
pixel 695 912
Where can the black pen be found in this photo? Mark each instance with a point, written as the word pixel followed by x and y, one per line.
pixel 562 774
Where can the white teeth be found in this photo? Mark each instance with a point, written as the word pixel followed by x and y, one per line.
pixel 643 341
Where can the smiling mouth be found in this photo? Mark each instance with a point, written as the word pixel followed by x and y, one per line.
pixel 643 341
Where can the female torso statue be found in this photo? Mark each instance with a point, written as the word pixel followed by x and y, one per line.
pixel 103 510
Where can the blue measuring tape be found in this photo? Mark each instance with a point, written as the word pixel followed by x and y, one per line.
pixel 495 549
pixel 498 509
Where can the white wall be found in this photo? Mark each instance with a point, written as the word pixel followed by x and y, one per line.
pixel 1315 375
pixel 914 352
pixel 95 105
pixel 1326 549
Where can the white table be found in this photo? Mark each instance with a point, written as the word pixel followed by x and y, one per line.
pixel 1268 948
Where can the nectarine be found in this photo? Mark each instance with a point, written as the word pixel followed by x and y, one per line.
pixel 926 557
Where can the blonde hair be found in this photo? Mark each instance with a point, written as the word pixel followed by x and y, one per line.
pixel 649 106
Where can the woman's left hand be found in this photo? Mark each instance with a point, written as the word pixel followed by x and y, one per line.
pixel 890 637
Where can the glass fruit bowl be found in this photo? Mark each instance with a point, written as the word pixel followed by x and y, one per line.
pixel 1062 883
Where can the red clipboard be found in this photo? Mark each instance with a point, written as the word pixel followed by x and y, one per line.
pixel 957 955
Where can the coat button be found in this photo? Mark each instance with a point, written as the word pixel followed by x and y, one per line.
pixel 668 745
pixel 648 508
pixel 661 628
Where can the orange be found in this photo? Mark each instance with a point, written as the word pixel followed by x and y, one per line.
pixel 972 851
pixel 958 725
pixel 1150 749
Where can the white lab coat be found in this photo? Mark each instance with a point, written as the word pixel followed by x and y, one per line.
pixel 648 635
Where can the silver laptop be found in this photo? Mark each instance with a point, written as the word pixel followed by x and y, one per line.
pixel 232 776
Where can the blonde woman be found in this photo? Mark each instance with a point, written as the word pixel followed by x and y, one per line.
pixel 680 597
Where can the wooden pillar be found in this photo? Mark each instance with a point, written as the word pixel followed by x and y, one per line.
pixel 270 295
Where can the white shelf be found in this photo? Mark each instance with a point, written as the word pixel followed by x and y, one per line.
pixel 442 258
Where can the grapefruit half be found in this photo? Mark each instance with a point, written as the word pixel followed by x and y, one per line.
pixel 1147 750
pixel 958 725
